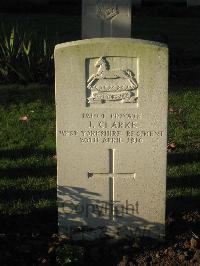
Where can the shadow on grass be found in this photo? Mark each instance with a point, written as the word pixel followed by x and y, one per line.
pixel 25 152
pixel 44 220
pixel 189 199
pixel 184 212
pixel 9 195
pixel 18 211
pixel 186 184
pixel 40 221
pixel 33 171
pixel 29 171
pixel 185 203
pixel 21 94
pixel 189 181
pixel 182 158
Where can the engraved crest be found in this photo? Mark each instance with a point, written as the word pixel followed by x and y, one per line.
pixel 106 11
pixel 111 84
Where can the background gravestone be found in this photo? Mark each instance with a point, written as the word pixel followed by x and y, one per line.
pixel 193 3
pixel 106 18
pixel 111 104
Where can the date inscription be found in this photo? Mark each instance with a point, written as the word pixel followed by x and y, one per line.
pixel 113 128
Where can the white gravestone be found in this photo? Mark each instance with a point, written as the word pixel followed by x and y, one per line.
pixel 106 18
pixel 193 3
pixel 111 105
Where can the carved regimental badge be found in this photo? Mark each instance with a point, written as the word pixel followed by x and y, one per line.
pixel 106 11
pixel 114 85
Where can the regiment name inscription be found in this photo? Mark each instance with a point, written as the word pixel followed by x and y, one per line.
pixel 107 131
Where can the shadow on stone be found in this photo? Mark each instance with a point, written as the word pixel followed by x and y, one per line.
pixel 83 216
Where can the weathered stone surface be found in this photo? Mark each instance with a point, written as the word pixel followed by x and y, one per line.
pixel 111 104
pixel 193 3
pixel 105 18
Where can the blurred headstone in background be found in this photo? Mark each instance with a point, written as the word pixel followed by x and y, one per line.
pixel 193 3
pixel 106 18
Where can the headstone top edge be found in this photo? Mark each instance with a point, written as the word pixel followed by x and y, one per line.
pixel 107 40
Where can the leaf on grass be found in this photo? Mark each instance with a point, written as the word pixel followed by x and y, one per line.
pixel 51 249
pixel 171 146
pixel 172 110
pixel 24 118
pixel 175 110
pixel 193 243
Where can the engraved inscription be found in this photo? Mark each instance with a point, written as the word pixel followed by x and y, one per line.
pixel 112 115
pixel 114 124
pixel 100 129
pixel 111 84
pixel 106 11
pixel 112 136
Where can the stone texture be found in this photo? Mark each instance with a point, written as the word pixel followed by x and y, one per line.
pixel 106 18
pixel 193 3
pixel 111 108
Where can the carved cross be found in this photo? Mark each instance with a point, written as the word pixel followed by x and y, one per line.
pixel 111 174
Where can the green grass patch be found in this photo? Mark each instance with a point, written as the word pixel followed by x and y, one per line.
pixel 184 161
pixel 27 153
pixel 183 119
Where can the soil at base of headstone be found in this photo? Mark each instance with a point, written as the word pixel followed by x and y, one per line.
pixel 181 247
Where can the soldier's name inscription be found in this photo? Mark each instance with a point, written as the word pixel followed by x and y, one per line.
pixel 102 129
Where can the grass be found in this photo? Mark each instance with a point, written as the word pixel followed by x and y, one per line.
pixel 183 120
pixel 27 162
pixel 183 163
pixel 27 153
